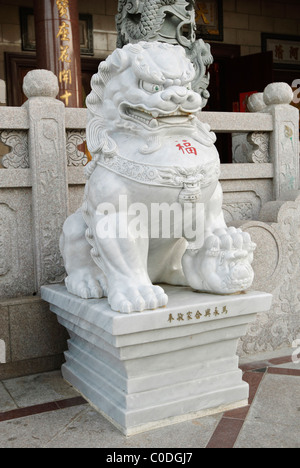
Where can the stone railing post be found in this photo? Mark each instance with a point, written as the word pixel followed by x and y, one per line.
pixel 48 164
pixel 284 140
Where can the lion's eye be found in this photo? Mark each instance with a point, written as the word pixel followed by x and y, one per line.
pixel 151 87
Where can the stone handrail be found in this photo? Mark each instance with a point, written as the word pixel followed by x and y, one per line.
pixel 269 132
pixel 15 123
pixel 237 122
pixel 220 122
pixel 14 118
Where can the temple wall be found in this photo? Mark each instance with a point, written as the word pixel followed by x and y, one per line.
pixel 244 21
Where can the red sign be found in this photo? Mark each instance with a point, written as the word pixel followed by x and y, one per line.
pixel 244 100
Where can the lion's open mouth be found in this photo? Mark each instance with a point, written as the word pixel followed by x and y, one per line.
pixel 154 119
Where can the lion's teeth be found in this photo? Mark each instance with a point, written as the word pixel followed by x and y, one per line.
pixel 153 118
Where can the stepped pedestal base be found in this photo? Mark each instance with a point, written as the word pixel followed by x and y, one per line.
pixel 155 368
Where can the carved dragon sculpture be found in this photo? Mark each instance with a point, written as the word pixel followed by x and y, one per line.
pixel 170 21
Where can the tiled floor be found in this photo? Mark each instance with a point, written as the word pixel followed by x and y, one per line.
pixel 44 411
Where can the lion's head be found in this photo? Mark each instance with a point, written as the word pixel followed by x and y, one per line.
pixel 143 88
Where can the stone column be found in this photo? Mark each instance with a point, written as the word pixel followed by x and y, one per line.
pixel 48 164
pixel 58 46
pixel 284 142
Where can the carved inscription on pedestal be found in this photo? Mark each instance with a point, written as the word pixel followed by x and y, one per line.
pixel 198 315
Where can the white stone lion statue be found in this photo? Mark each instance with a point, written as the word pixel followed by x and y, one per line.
pixel 152 210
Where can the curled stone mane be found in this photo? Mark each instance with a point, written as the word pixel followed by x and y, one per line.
pixel 97 137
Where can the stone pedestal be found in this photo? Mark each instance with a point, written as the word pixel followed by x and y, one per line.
pixel 146 370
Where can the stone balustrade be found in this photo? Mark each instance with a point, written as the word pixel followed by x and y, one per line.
pixel 42 181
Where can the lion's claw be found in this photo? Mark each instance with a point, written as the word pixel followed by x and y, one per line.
pixel 223 265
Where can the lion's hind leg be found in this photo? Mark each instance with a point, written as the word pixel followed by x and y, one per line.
pixel 85 279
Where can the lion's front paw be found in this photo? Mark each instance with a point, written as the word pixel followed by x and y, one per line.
pixel 223 265
pixel 135 298
pixel 84 284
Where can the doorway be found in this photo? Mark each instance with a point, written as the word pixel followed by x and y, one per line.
pixel 233 76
